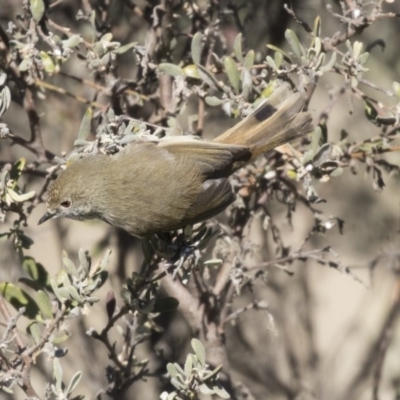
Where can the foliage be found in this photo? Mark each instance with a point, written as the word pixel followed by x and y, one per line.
pixel 185 61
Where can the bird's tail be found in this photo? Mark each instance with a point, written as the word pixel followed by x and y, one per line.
pixel 278 120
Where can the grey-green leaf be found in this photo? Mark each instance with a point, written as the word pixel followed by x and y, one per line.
pixel 196 47
pixel 396 88
pixel 57 373
pixel 249 59
pixel 172 371
pixel 294 43
pixel 208 77
pixel 237 47
pixel 272 47
pixel 84 129
pixel 271 63
pixel 188 366
pixel 44 304
pixel 316 139
pixel 37 9
pixel 171 69
pixel 233 73
pixel 73 41
pixel 213 101
pixel 74 382
pixel 247 83
pixel 330 64
pixel 199 350
pixel 322 154
pixel 34 331
pixel 125 48
pixel 68 264
pixel 5 100
pixel 278 58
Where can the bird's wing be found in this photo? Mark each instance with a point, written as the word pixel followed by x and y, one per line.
pixel 217 194
pixel 214 160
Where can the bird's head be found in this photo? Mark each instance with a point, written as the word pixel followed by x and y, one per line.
pixel 67 197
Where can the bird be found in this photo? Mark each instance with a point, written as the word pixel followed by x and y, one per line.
pixel 159 185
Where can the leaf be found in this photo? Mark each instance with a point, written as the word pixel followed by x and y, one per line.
pixel 43 301
pixel 199 351
pixel 73 41
pixel 317 27
pixel 18 298
pixel 247 83
pixel 47 63
pixel 191 71
pixel 34 330
pixel 294 43
pixel 208 77
pixel 188 366
pixel 5 99
pixel 317 46
pixel 104 261
pixel 196 47
pixel 60 292
pixel 68 264
pixel 3 78
pixel 272 47
pixel 323 154
pixel 357 48
pixel 363 58
pixel 107 37
pixel 207 237
pixel 74 382
pixel 213 101
pixel 213 262
pixel 237 47
pixel 249 59
pixel 20 198
pixel 84 129
pixel 271 63
pixel 233 73
pixel 269 89
pixel 179 385
pixel 57 374
pixel 171 69
pixel 316 139
pixel 172 371
pixel 212 375
pixel 83 261
pixel 165 304
pixel 395 86
pixel 37 9
pixel 73 293
pixel 330 64
pixel 125 48
pixel 24 65
pixel 278 58
pixel 60 338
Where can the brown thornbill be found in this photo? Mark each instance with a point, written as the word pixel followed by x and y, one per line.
pixel 154 186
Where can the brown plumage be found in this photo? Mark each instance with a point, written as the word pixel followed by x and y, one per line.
pixel 166 184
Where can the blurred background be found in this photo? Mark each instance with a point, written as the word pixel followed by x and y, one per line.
pixel 326 334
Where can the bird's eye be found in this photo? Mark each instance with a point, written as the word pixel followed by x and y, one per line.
pixel 66 204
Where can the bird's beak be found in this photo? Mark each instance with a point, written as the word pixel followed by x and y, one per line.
pixel 45 217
